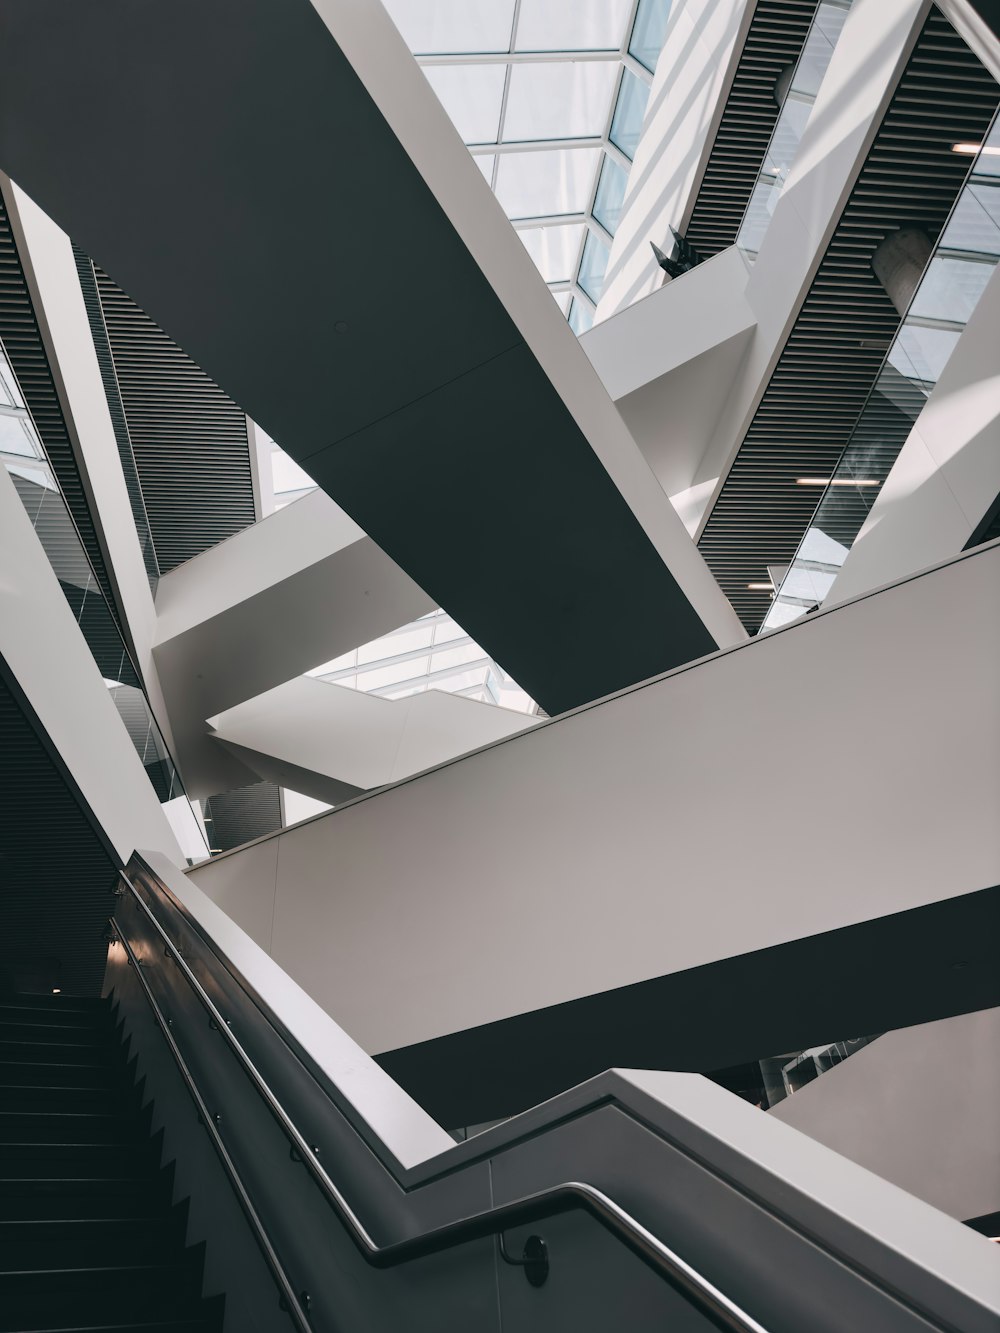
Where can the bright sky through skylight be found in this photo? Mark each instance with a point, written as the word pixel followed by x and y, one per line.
pixel 573 74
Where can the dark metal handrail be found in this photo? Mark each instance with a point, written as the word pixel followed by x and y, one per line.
pixel 550 1202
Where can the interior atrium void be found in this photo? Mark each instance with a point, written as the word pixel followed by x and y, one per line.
pixel 499 716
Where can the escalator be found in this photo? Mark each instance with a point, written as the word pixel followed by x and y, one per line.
pixel 90 1238
pixel 268 1175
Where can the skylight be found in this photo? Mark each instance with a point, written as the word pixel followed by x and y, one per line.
pixel 550 96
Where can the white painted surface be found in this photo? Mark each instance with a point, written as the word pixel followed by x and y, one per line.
pixel 668 360
pixel 361 739
pixel 948 472
pixel 44 648
pixel 873 49
pixel 919 1107
pixel 297 589
pixel 701 50
pixel 50 271
pixel 904 1224
pixel 371 42
pixel 621 830
pixel 404 1127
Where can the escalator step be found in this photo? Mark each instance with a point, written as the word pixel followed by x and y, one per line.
pixel 108 1196
pixel 71 1127
pixel 79 1034
pixel 81 1242
pixel 78 1297
pixel 36 1097
pixel 58 1005
pixel 102 1056
pixel 90 1238
pixel 47 1161
pixel 57 1073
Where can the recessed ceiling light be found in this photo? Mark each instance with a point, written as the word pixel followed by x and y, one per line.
pixel 971 149
pixel 56 990
pixel 837 481
pixel 760 587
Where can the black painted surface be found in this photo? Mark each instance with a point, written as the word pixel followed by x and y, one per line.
pixel 913 967
pixel 410 396
pixel 89 1236
pixel 56 875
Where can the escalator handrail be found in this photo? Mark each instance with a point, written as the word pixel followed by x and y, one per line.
pixel 549 1202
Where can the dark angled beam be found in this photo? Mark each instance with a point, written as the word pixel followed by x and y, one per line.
pixel 292 206
pixel 910 967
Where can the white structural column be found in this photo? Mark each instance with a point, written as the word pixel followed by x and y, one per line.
pixel 874 46
pixel 918 1107
pixel 638 837
pixel 297 589
pixel 332 742
pixel 47 256
pixel 44 648
pixel 668 360
pixel 948 472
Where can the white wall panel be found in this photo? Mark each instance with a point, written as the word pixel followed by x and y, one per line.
pixel 918 1107
pixel 814 778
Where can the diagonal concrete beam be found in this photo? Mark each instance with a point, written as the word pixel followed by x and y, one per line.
pixel 297 589
pixel 409 357
pixel 332 742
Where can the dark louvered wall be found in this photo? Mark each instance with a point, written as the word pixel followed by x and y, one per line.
pixel 239 816
pixel 777 31
pixel 95 317
pixel 188 438
pixel 22 340
pixel 833 354
pixel 56 878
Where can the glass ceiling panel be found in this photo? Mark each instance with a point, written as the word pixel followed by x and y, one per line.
pixel 571 25
pixel 649 31
pixel 440 27
pixel 472 95
pixel 547 182
pixel 555 250
pixel 610 195
pixel 629 113
pixel 592 267
pixel 556 72
pixel 562 100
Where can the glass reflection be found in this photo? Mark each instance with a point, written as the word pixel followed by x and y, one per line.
pixel 626 124
pixel 648 32
pixel 817 52
pixel 593 266
pixel 966 255
pixel 610 195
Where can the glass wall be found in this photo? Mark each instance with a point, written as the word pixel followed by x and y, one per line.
pixel 810 69
pixel 956 276
pixel 24 458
